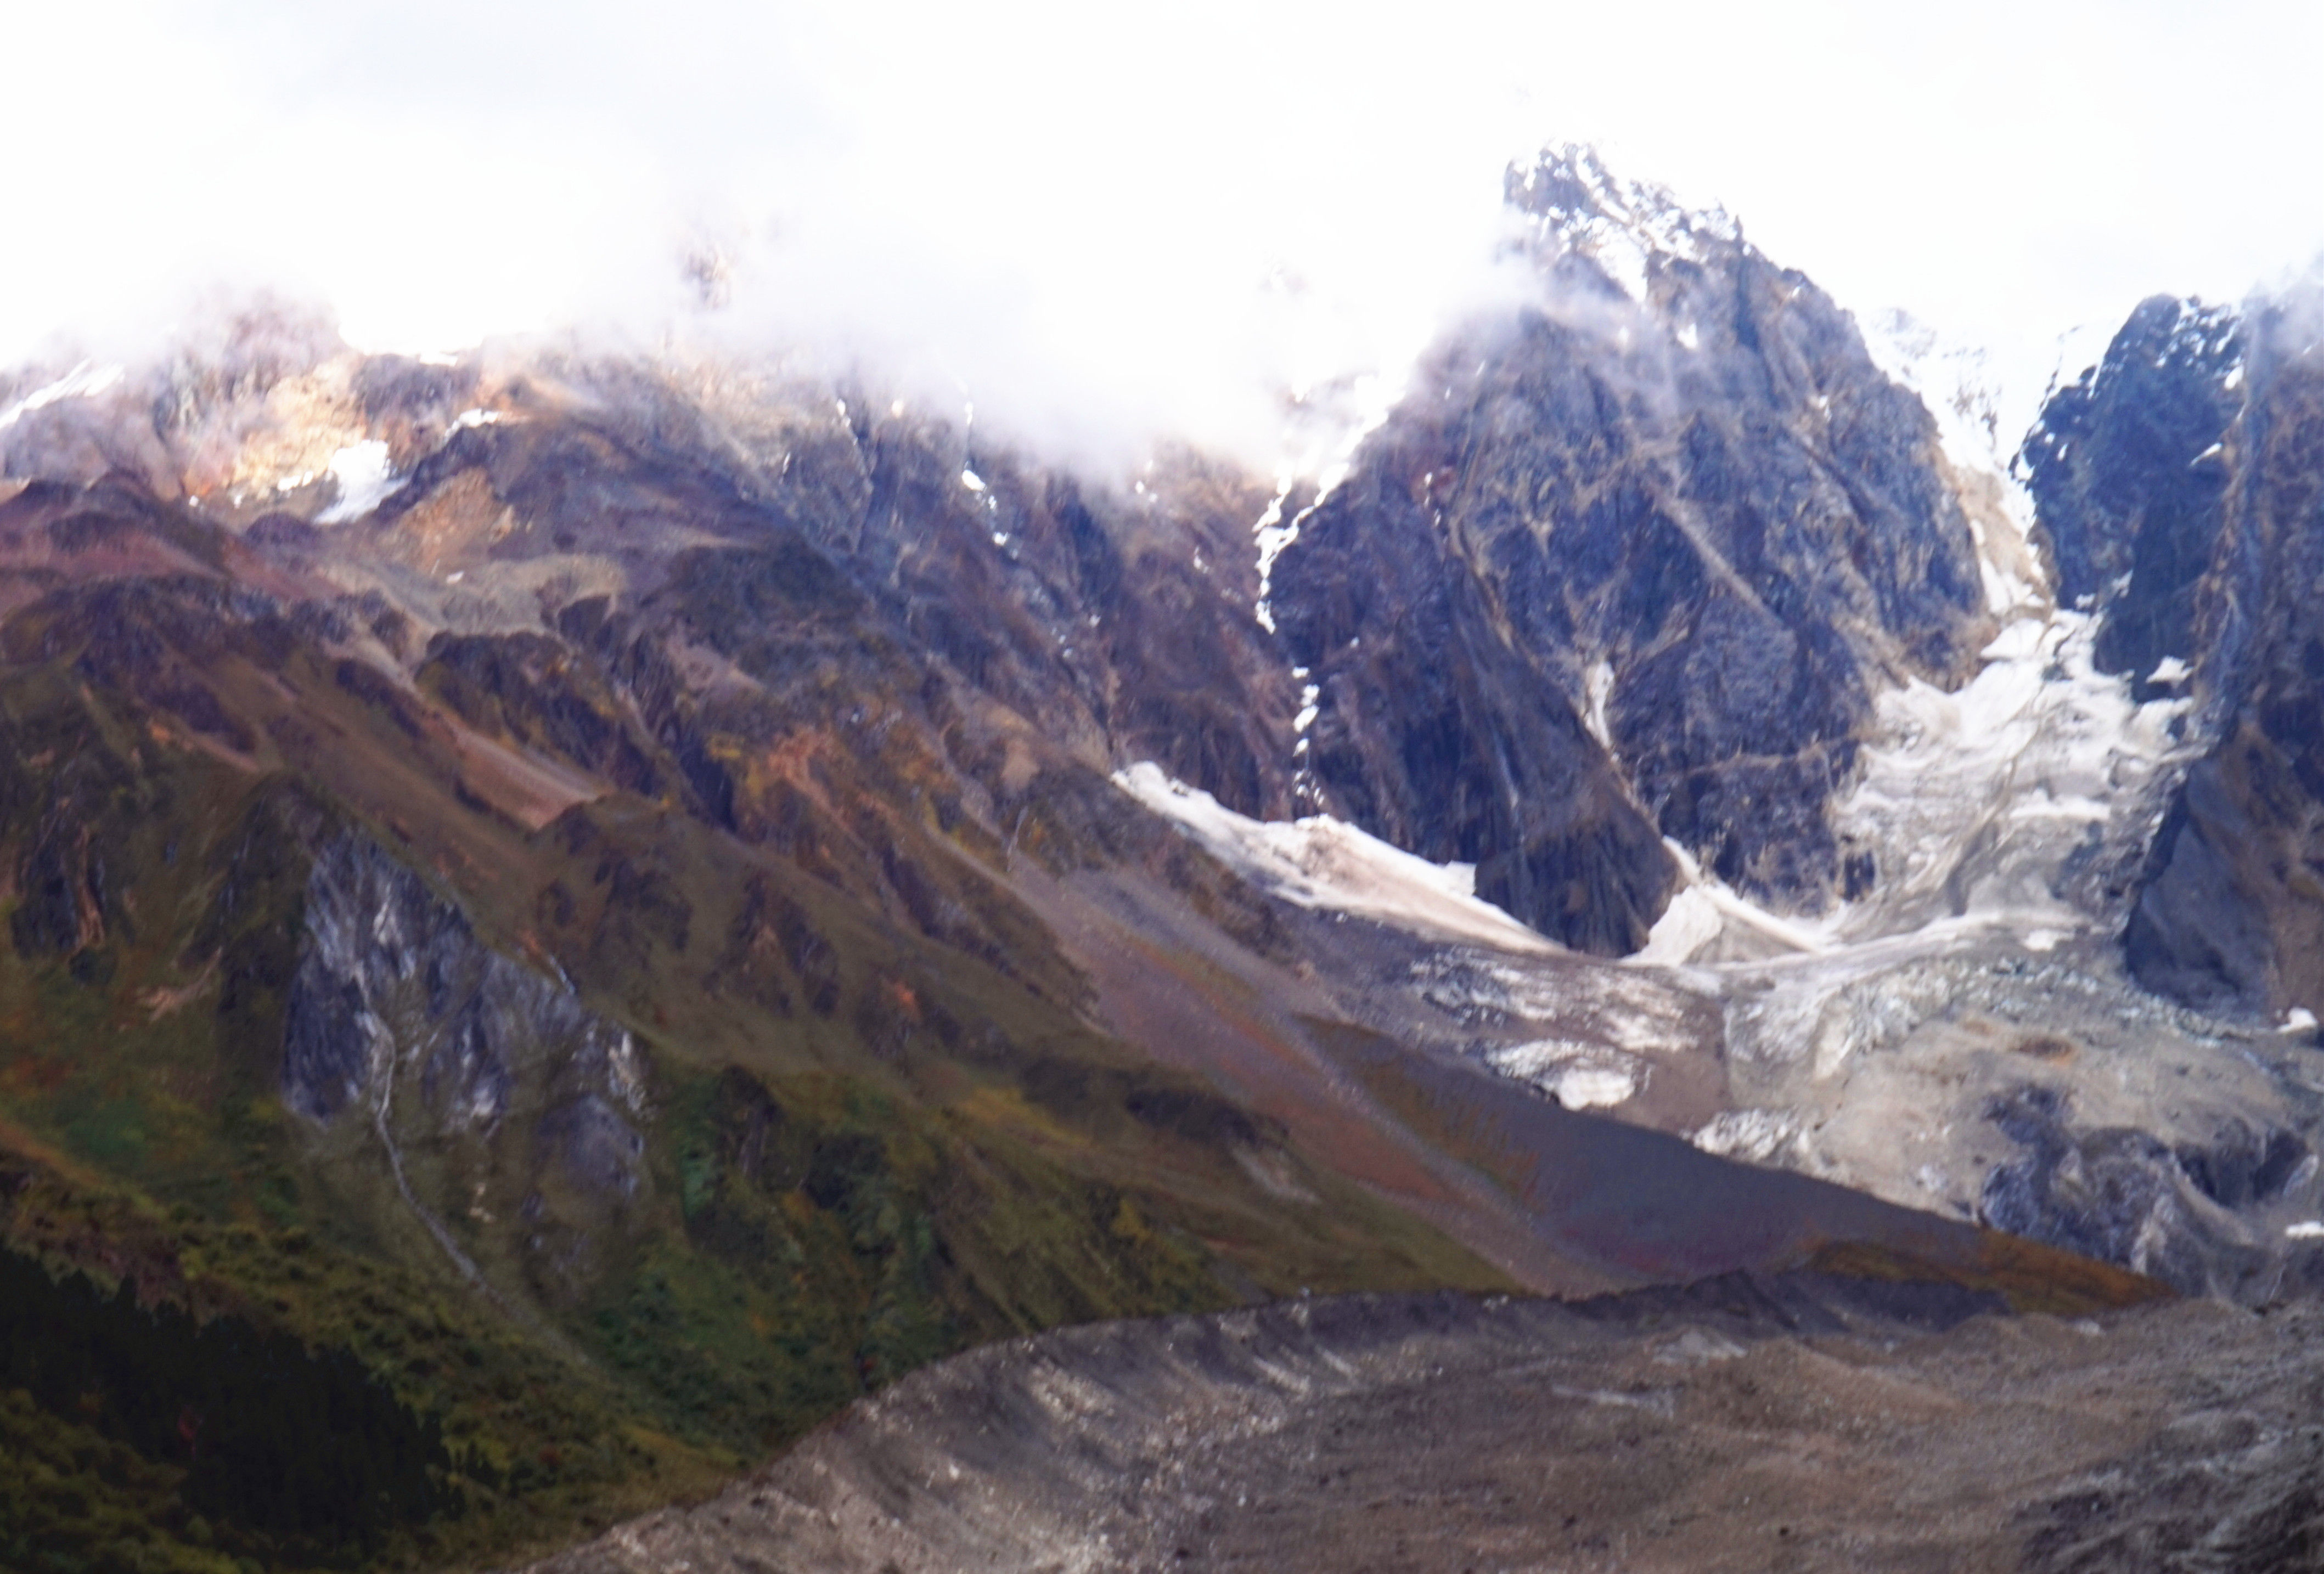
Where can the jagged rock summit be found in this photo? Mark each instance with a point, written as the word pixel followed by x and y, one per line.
pixel 1628 567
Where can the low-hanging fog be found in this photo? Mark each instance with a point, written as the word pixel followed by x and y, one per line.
pixel 1100 224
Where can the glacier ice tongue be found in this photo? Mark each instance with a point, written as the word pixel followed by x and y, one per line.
pixel 1988 802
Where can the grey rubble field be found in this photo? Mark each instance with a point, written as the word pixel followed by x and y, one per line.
pixel 1794 1421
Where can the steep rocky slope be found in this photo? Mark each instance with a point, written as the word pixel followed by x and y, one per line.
pixel 1973 1027
pixel 2177 485
pixel 1632 566
pixel 640 900
pixel 594 890
pixel 496 1001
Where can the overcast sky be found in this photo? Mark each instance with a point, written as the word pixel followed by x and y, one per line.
pixel 1100 221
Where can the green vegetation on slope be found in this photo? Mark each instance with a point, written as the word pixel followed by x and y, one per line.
pixel 875 1127
pixel 282 1446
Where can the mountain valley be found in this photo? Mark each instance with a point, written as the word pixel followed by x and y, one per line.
pixel 634 905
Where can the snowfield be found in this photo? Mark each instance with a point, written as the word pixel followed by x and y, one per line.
pixel 1326 863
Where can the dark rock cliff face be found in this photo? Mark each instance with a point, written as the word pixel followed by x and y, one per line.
pixel 2179 485
pixel 1626 565
pixel 2271 636
pixel 1631 565
pixel 2233 916
pixel 1436 733
pixel 2118 1193
pixel 2130 479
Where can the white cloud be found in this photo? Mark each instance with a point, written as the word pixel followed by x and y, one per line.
pixel 1100 222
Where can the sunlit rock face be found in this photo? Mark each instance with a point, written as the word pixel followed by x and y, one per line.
pixel 1629 566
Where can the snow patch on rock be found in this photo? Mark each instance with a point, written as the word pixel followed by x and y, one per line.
pixel 366 479
pixel 1756 1135
pixel 1981 401
pixel 1580 1076
pixel 1324 863
pixel 85 380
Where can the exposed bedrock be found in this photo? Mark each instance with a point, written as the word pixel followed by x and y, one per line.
pixel 2130 479
pixel 2121 1195
pixel 500 1098
pixel 1628 564
pixel 1631 565
pixel 2178 484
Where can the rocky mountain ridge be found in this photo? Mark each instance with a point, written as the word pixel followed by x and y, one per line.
pixel 2177 481
pixel 1674 518
pixel 689 892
